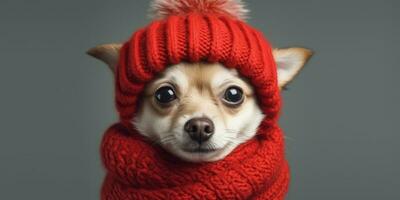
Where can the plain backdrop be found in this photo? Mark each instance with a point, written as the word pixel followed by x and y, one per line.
pixel 340 116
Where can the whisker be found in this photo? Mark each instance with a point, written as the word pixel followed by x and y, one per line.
pixel 212 146
pixel 163 140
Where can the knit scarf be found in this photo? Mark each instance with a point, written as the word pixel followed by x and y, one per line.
pixel 139 169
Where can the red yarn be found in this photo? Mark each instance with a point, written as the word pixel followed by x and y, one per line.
pixel 192 38
pixel 139 170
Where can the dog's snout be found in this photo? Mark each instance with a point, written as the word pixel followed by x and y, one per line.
pixel 199 129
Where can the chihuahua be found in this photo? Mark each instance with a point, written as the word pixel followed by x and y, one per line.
pixel 200 112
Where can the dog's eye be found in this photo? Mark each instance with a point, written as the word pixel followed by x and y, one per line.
pixel 233 96
pixel 165 94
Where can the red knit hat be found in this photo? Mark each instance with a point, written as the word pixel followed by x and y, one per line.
pixel 196 31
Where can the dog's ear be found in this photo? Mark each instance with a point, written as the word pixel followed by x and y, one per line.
pixel 289 63
pixel 108 53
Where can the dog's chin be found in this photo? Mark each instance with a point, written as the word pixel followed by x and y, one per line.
pixel 198 155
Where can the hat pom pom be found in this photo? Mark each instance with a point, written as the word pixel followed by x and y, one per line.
pixel 161 9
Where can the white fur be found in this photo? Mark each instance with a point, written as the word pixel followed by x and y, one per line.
pixel 289 62
pixel 163 8
pixel 230 130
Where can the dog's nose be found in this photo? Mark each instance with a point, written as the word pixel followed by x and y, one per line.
pixel 199 129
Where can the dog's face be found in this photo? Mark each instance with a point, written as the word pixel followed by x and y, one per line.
pixel 201 112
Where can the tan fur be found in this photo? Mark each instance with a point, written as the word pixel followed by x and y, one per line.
pixel 108 53
pixel 199 88
pixel 199 76
pixel 286 56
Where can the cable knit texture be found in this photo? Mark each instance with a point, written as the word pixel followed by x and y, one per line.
pixel 138 169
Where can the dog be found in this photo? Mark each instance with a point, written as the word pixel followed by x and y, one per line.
pixel 200 112
pixel 198 96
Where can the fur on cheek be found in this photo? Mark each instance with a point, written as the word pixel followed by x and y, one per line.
pixel 247 121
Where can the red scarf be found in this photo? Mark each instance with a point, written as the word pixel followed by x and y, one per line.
pixel 138 169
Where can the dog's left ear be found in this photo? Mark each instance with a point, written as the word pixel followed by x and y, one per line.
pixel 289 63
pixel 108 53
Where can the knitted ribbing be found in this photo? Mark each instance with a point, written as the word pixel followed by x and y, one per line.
pixel 139 170
pixel 193 38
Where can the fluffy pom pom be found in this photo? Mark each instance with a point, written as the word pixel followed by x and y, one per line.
pixel 163 8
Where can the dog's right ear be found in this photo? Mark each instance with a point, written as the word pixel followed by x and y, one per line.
pixel 289 62
pixel 108 53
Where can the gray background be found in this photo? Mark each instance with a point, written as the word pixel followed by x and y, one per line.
pixel 341 114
